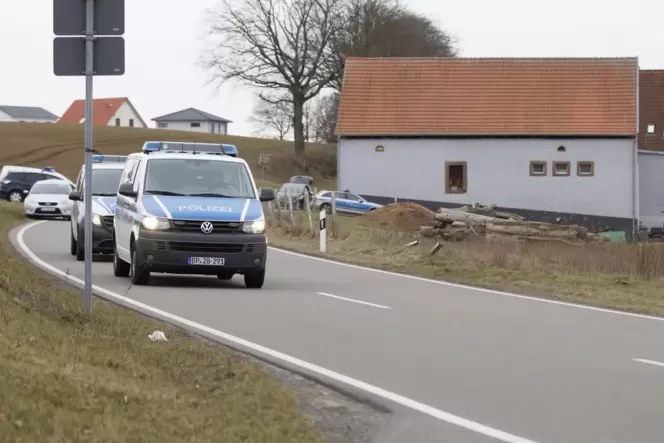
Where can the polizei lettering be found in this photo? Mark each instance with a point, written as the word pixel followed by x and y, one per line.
pixel 204 208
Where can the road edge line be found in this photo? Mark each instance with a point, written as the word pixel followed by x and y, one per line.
pixel 266 352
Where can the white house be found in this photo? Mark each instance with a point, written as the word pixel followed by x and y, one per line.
pixel 551 139
pixel 105 112
pixel 194 120
pixel 28 114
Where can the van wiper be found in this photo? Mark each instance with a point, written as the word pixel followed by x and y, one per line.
pixel 104 195
pixel 211 194
pixel 165 193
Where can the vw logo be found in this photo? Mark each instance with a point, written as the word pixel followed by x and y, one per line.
pixel 206 227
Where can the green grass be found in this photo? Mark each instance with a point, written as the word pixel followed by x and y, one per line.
pixel 615 276
pixel 70 377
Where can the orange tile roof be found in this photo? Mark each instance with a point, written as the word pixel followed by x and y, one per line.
pixel 460 96
pixel 651 109
pixel 103 110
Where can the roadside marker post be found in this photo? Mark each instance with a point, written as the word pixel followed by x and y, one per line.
pixel 323 231
pixel 80 50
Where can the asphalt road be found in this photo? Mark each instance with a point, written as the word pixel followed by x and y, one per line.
pixel 541 371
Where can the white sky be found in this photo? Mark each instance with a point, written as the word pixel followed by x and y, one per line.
pixel 163 44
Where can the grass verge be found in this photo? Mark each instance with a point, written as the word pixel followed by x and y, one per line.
pixel 68 376
pixel 624 277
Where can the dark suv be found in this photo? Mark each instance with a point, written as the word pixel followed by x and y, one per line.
pixel 16 185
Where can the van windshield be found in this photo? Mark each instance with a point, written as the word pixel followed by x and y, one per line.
pixel 198 177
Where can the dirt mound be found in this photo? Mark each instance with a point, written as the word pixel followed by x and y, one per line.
pixel 403 216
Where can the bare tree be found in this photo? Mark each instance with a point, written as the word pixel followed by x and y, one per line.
pixel 276 44
pixel 273 113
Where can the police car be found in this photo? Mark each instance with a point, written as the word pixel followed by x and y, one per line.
pixel 189 208
pixel 106 173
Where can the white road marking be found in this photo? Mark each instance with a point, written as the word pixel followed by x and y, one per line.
pixel 649 362
pixel 326 373
pixel 352 300
pixel 467 287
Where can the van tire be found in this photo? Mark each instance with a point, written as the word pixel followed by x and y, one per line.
pixel 120 267
pixel 254 280
pixel 80 248
pixel 139 275
pixel 72 243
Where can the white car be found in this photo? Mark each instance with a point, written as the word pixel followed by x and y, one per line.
pixel 48 199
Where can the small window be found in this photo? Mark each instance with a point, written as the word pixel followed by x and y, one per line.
pixel 162 125
pixel 537 168
pixel 585 169
pixel 117 122
pixel 561 169
pixel 651 129
pixel 195 125
pixel 327 195
pixel 131 122
pixel 561 148
pixel 456 178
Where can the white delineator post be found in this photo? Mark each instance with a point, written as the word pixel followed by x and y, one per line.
pixel 323 231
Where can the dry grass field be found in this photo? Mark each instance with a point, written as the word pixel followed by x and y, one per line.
pixel 66 376
pixel 61 146
pixel 618 276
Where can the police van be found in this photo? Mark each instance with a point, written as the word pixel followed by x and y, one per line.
pixel 189 208
pixel 106 172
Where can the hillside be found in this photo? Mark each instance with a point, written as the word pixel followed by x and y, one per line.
pixel 61 146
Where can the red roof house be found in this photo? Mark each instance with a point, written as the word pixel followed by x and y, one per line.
pixel 105 112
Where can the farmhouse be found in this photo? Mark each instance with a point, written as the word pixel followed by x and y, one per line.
pixel 105 112
pixel 194 120
pixel 651 148
pixel 28 114
pixel 551 139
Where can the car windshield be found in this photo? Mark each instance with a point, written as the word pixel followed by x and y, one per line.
pixel 105 182
pixel 50 188
pixel 198 177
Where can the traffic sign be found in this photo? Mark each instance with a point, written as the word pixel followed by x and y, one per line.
pixel 69 17
pixel 69 56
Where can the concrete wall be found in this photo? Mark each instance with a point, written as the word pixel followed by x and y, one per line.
pixel 498 172
pixel 126 113
pixel 651 188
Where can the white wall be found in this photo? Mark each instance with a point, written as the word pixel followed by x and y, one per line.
pixel 651 188
pixel 205 126
pixel 4 117
pixel 498 172
pixel 125 113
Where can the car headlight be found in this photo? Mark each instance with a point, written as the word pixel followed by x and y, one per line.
pixel 96 219
pixel 254 227
pixel 155 224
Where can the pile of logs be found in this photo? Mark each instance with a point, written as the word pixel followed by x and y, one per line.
pixel 459 224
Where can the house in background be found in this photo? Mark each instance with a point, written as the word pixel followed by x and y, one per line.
pixel 28 114
pixel 194 120
pixel 105 112
pixel 552 139
pixel 651 148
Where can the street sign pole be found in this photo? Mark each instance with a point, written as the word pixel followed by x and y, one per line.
pixel 88 45
pixel 87 197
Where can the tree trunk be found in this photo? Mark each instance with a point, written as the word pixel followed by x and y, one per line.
pixel 298 129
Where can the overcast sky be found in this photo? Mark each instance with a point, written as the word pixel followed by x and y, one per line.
pixel 163 41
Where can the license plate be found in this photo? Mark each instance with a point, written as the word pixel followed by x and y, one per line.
pixel 207 261
pixel 48 209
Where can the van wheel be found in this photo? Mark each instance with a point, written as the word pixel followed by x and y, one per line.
pixel 254 280
pixel 326 207
pixel 80 248
pixel 15 196
pixel 139 275
pixel 120 267
pixel 73 247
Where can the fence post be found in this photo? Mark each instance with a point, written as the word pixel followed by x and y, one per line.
pixel 290 210
pixel 334 214
pixel 323 231
pixel 307 203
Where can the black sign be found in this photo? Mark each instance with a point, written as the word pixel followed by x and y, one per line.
pixel 69 56
pixel 69 17
pixel 322 223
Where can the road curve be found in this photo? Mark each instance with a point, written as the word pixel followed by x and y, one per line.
pixel 459 364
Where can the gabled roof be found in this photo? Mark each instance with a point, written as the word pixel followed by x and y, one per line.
pixel 28 112
pixel 464 96
pixel 189 115
pixel 651 109
pixel 103 110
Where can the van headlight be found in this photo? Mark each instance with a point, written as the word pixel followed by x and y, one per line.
pixel 96 220
pixel 254 227
pixel 155 223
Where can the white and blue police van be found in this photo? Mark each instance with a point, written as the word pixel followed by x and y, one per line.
pixel 189 208
pixel 106 173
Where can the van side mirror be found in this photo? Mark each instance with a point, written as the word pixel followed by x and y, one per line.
pixel 75 196
pixel 127 189
pixel 266 194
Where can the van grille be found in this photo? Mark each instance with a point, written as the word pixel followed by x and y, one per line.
pixel 220 227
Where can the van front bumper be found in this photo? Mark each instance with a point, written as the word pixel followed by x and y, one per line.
pixel 170 252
